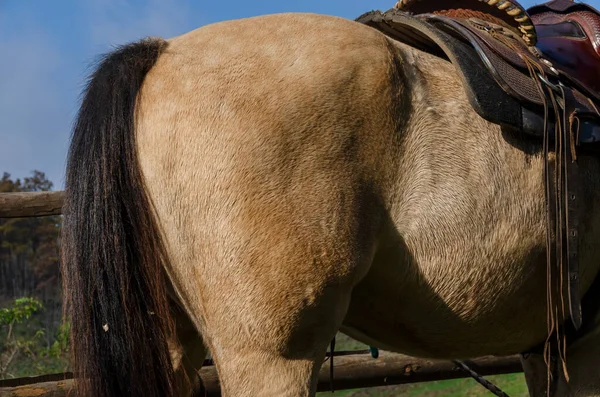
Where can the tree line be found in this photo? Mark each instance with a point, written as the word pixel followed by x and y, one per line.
pixel 29 268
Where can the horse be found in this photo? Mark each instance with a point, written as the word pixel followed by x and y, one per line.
pixel 254 186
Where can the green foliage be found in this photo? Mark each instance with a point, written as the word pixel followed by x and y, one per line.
pixel 22 309
pixel 12 345
pixel 22 348
pixel 60 345
pixel 35 183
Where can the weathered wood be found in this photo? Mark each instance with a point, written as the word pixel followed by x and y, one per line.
pixel 350 372
pixel 361 370
pixel 29 380
pixel 29 204
pixel 59 388
pixel 394 369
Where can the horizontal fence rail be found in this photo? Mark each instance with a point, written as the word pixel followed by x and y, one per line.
pixel 351 371
pixel 30 204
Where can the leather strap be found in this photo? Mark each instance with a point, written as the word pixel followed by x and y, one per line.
pixel 572 186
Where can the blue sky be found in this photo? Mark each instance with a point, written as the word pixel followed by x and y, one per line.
pixel 46 48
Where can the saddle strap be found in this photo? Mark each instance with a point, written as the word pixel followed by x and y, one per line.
pixel 571 169
pixel 562 203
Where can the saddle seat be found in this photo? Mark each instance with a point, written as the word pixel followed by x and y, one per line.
pixel 569 36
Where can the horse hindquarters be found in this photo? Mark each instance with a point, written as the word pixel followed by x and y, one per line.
pixel 266 173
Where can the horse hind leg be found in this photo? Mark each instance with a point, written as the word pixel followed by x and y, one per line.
pixel 188 352
pixel 536 374
pixel 275 344
pixel 583 361
pixel 272 312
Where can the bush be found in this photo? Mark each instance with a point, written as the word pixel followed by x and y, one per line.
pixel 23 350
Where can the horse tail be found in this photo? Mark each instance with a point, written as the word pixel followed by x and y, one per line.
pixel 113 280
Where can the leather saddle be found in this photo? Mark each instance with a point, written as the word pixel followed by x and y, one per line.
pixel 535 71
pixel 560 40
pixel 569 36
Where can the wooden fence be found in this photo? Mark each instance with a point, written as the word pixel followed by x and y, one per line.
pixel 20 205
pixel 351 369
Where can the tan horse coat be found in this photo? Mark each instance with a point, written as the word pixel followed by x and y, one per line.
pixel 309 174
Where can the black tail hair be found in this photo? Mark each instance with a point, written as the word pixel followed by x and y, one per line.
pixel 112 256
